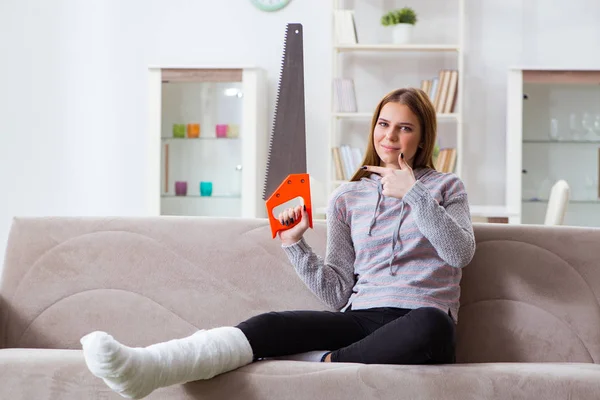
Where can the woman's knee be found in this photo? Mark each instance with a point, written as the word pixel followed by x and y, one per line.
pixel 437 328
pixel 259 332
pixel 433 320
pixel 258 324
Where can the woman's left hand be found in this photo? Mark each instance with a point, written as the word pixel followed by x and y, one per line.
pixel 396 182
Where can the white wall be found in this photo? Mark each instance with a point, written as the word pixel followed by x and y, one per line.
pixel 73 95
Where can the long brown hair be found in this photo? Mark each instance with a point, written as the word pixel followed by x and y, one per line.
pixel 419 103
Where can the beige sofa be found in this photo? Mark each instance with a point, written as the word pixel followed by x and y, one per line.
pixel 529 326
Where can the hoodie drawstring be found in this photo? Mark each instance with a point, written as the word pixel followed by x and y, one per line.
pixel 396 233
pixel 379 190
pixel 395 239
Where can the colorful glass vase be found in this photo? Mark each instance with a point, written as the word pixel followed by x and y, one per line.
pixel 233 131
pixel 180 188
pixel 221 130
pixel 193 131
pixel 205 188
pixel 178 130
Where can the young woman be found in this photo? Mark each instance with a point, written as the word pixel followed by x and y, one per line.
pixel 398 235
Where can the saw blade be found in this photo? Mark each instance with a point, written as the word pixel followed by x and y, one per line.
pixel 287 146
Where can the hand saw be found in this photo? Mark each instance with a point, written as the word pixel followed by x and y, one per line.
pixel 286 177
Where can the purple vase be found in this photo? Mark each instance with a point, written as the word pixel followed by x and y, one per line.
pixel 180 188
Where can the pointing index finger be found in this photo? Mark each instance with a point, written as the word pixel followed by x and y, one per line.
pixel 376 169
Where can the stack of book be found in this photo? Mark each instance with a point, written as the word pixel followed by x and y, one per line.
pixel 344 97
pixel 442 90
pixel 446 160
pixel 347 160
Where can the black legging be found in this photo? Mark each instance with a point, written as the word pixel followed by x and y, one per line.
pixel 375 336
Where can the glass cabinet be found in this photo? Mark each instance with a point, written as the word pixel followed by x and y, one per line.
pixel 554 134
pixel 211 125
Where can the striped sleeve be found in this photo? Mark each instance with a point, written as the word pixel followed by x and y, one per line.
pixel 448 228
pixel 332 279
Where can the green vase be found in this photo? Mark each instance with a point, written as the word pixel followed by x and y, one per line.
pixel 178 130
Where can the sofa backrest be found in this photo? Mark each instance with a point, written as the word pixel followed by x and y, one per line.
pixel 142 280
pixel 530 294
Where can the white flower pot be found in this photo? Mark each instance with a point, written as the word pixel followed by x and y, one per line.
pixel 401 33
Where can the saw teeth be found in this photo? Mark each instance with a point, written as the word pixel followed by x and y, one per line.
pixel 273 141
pixel 281 69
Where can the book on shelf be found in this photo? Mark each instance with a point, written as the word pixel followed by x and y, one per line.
pixel 442 90
pixel 426 85
pixel 337 162
pixel 446 160
pixel 347 160
pixel 345 28
pixel 344 96
pixel 450 103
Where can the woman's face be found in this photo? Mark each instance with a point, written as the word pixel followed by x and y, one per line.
pixel 397 131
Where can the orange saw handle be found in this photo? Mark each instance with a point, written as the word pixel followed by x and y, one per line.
pixel 295 185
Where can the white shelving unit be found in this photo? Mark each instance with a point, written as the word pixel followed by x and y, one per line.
pixel 553 132
pixel 234 163
pixel 370 52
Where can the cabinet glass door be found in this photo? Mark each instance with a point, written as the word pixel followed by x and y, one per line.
pixel 561 140
pixel 201 146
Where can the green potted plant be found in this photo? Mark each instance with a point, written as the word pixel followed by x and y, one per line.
pixel 402 22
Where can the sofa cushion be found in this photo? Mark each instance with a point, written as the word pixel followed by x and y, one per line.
pixel 61 374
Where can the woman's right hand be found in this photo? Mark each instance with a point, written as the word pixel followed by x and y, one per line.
pixel 293 235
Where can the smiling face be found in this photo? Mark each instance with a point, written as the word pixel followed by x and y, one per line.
pixel 404 121
pixel 397 131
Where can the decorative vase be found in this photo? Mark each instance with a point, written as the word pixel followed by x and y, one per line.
pixel 221 130
pixel 402 33
pixel 233 131
pixel 180 188
pixel 178 130
pixel 193 131
pixel 205 188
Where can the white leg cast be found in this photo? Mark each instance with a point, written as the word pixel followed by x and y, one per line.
pixel 136 372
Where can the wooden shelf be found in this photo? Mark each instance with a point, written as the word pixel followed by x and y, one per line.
pixel 396 47
pixel 585 77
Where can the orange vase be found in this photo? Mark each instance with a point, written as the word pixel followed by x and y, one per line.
pixel 193 131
